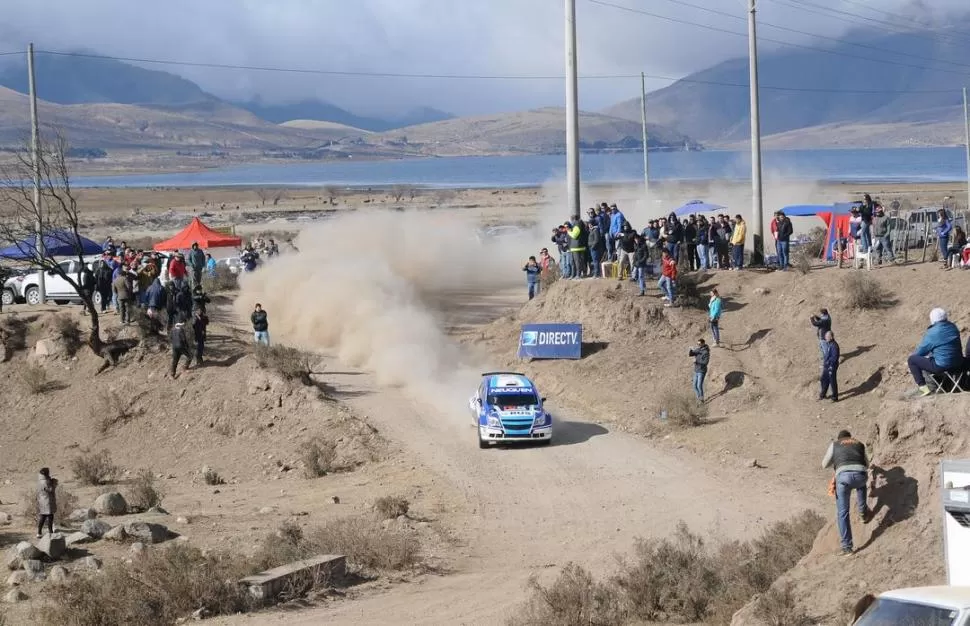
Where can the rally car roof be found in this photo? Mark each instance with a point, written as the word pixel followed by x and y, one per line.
pixel 510 381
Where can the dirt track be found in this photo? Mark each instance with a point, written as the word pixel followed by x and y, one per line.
pixel 529 510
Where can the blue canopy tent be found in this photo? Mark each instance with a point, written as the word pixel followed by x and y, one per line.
pixel 835 216
pixel 56 243
pixel 698 206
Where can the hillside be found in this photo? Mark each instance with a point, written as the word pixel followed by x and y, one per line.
pixel 321 125
pixel 539 131
pixel 707 107
pixel 312 109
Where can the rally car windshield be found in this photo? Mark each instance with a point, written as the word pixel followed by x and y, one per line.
pixel 513 400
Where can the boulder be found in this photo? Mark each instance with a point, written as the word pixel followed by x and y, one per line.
pixel 58 574
pixel 5 519
pixel 137 548
pixel 146 533
pixel 157 510
pixel 77 538
pixel 54 546
pixel 112 503
pixel 82 515
pixel 116 534
pixel 17 578
pixel 14 596
pixel 23 551
pixel 95 528
pixel 34 569
pixel 92 563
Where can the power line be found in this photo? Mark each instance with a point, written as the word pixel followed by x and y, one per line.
pixel 778 41
pixel 483 77
pixel 825 37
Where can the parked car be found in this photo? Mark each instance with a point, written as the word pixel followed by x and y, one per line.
pixel 921 223
pixel 56 288
pixel 13 287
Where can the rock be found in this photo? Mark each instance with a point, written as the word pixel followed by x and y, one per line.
pixel 761 291
pixel 92 563
pixel 112 503
pixel 18 578
pixel 266 510
pixel 182 520
pixel 116 534
pixel 200 614
pixel 137 548
pixel 5 519
pixel 157 510
pixel 23 551
pixel 58 574
pixel 14 596
pixel 95 528
pixel 147 533
pixel 54 546
pixel 77 538
pixel 81 515
pixel 33 567
pixel 43 347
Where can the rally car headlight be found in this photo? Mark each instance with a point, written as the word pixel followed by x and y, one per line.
pixel 494 421
pixel 540 420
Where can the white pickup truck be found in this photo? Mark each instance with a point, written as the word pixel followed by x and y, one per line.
pixel 925 606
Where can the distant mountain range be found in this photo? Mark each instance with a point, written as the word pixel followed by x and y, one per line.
pixel 911 97
pixel 324 111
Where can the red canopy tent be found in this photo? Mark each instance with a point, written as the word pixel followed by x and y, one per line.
pixel 197 232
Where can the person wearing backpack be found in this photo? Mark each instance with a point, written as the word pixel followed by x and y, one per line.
pixel 702 358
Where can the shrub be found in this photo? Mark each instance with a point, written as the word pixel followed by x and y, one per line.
pixel 683 409
pixel 212 477
pixel 144 492
pixel 69 332
pixel 688 291
pixel 815 244
pixel 862 292
pixel 367 544
pixel 802 262
pixel 110 408
pixel 575 599
pixel 290 363
pixel 34 378
pixel 776 607
pixel 159 589
pixel 318 457
pixel 391 507
pixel 223 279
pixel 66 503
pixel 94 468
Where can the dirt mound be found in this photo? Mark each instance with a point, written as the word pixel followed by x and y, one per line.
pixel 902 546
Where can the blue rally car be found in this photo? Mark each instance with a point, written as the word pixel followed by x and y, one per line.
pixel 508 409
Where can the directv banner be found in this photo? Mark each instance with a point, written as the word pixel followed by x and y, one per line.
pixel 551 341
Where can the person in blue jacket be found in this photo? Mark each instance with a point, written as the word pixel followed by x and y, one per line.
pixel 714 316
pixel 943 229
pixel 616 227
pixel 940 351
pixel 532 271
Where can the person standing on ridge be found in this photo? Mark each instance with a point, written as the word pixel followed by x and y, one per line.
pixel 641 257
pixel 668 278
pixel 702 358
pixel 180 345
pixel 46 501
pixel 783 241
pixel 830 368
pixel 714 317
pixel 532 271
pixel 260 325
pixel 737 244
pixel 943 229
pixel 823 324
pixel 196 263
pixel 848 458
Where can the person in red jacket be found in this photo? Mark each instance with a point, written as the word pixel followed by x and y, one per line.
pixel 176 267
pixel 668 277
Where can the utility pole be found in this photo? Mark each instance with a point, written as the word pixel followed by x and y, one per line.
pixel 757 208
pixel 572 112
pixel 966 123
pixel 35 158
pixel 643 122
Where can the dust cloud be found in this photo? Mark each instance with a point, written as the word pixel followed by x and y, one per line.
pixel 374 288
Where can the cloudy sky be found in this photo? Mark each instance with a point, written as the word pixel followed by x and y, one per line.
pixel 468 37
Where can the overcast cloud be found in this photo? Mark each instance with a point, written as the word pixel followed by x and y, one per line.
pixel 506 37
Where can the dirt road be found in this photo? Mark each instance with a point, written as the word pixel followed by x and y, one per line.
pixel 527 510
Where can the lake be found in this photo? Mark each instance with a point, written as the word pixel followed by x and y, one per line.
pixel 902 165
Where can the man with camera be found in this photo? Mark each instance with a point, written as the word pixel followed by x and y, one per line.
pixel 702 358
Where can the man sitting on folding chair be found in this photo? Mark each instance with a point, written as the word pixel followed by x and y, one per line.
pixel 940 352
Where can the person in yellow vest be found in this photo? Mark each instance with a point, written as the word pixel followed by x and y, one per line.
pixel 737 243
pixel 578 237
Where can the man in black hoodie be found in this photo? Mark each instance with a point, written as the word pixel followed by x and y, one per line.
pixel 260 325
pixel 180 345
pixel 823 324
pixel 702 358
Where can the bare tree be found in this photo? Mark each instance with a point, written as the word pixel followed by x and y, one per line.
pixel 263 196
pixel 278 195
pixel 56 219
pixel 331 193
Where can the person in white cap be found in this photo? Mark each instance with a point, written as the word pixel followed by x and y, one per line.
pixel 940 351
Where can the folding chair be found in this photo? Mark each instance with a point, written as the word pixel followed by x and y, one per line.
pixel 953 381
pixel 862 258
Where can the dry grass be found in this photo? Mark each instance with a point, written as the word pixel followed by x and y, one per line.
pixel 144 492
pixel 391 507
pixel 683 409
pixel 66 503
pixel 69 332
pixel 212 477
pixel 318 456
pixel 290 363
pixel 680 579
pixel 94 468
pixel 159 589
pixel 34 378
pixel 776 607
pixel 863 292
pixel 802 262
pixel 110 409
pixel 221 280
